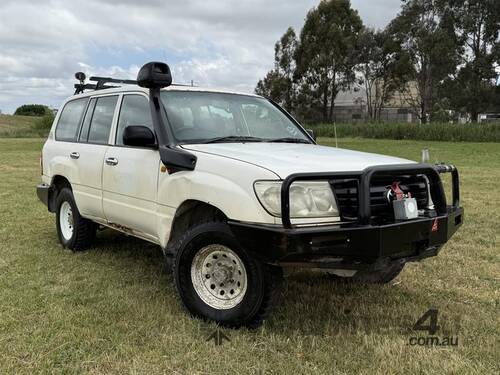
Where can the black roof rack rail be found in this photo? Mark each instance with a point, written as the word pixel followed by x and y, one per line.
pixel 102 81
pixel 79 87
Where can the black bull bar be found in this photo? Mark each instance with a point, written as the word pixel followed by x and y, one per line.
pixel 432 172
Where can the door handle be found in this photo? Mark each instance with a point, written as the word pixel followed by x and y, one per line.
pixel 74 155
pixel 111 161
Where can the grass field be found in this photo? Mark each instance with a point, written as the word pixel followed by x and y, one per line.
pixel 436 131
pixel 112 309
pixel 16 126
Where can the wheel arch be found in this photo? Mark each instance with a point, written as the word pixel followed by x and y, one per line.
pixel 190 213
pixel 57 184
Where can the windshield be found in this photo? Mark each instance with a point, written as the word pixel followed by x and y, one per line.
pixel 203 117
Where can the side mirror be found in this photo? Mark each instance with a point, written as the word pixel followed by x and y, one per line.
pixel 311 134
pixel 139 136
pixel 154 75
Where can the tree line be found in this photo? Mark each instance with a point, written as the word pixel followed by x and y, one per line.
pixel 32 110
pixel 439 57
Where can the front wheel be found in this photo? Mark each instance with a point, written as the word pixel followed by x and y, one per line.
pixel 219 280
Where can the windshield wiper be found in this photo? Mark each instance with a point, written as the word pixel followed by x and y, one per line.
pixel 233 138
pixel 288 140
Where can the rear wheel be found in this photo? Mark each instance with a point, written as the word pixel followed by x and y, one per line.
pixel 74 231
pixel 219 280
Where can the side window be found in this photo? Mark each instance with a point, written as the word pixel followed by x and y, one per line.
pixel 100 125
pixel 69 121
pixel 134 111
pixel 84 133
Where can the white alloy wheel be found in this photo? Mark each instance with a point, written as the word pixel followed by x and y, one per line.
pixel 66 220
pixel 219 277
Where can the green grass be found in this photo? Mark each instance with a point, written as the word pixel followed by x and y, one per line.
pixel 24 126
pixel 113 309
pixel 486 132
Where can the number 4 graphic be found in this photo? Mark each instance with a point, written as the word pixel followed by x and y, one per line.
pixel 432 327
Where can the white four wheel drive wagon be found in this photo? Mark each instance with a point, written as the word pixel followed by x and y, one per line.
pixel 234 189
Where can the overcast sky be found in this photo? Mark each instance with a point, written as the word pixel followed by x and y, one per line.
pixel 219 43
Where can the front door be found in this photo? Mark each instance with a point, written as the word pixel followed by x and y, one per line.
pixel 130 174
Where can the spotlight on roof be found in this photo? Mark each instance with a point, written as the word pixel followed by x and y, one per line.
pixel 80 76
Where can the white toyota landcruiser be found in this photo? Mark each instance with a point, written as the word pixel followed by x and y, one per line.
pixel 233 189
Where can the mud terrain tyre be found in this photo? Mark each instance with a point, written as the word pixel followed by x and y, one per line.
pixel 218 280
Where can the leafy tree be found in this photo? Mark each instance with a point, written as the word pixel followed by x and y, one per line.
pixel 284 52
pixel 377 67
pixel 279 83
pixel 326 55
pixel 436 55
pixel 44 123
pixel 271 86
pixel 32 110
pixel 428 52
pixel 476 24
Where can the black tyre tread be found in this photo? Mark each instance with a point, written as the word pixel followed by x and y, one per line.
pixel 272 296
pixel 84 229
pixel 273 284
pixel 175 243
pixel 85 234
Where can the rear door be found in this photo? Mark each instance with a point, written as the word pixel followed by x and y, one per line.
pixel 130 174
pixel 88 153
pixel 77 159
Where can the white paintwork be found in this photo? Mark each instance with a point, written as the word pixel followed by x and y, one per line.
pixel 287 158
pixel 84 173
pixel 131 187
pixel 137 197
pixel 137 89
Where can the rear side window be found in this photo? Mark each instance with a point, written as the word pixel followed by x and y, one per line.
pixel 102 118
pixel 84 133
pixel 134 111
pixel 69 120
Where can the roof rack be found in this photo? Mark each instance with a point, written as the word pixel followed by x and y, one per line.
pixel 102 81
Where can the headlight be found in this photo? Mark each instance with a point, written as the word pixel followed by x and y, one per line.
pixel 307 198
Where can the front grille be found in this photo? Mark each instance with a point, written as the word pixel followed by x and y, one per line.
pixel 346 191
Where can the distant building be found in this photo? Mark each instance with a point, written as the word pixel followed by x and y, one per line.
pixel 351 106
pixel 488 117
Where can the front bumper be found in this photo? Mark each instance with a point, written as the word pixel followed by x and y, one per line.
pixel 349 246
pixel 364 243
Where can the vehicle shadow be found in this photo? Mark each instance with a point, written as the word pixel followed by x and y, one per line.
pixel 312 302
pixel 315 304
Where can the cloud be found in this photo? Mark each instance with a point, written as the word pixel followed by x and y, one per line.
pixel 223 43
pixel 377 13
